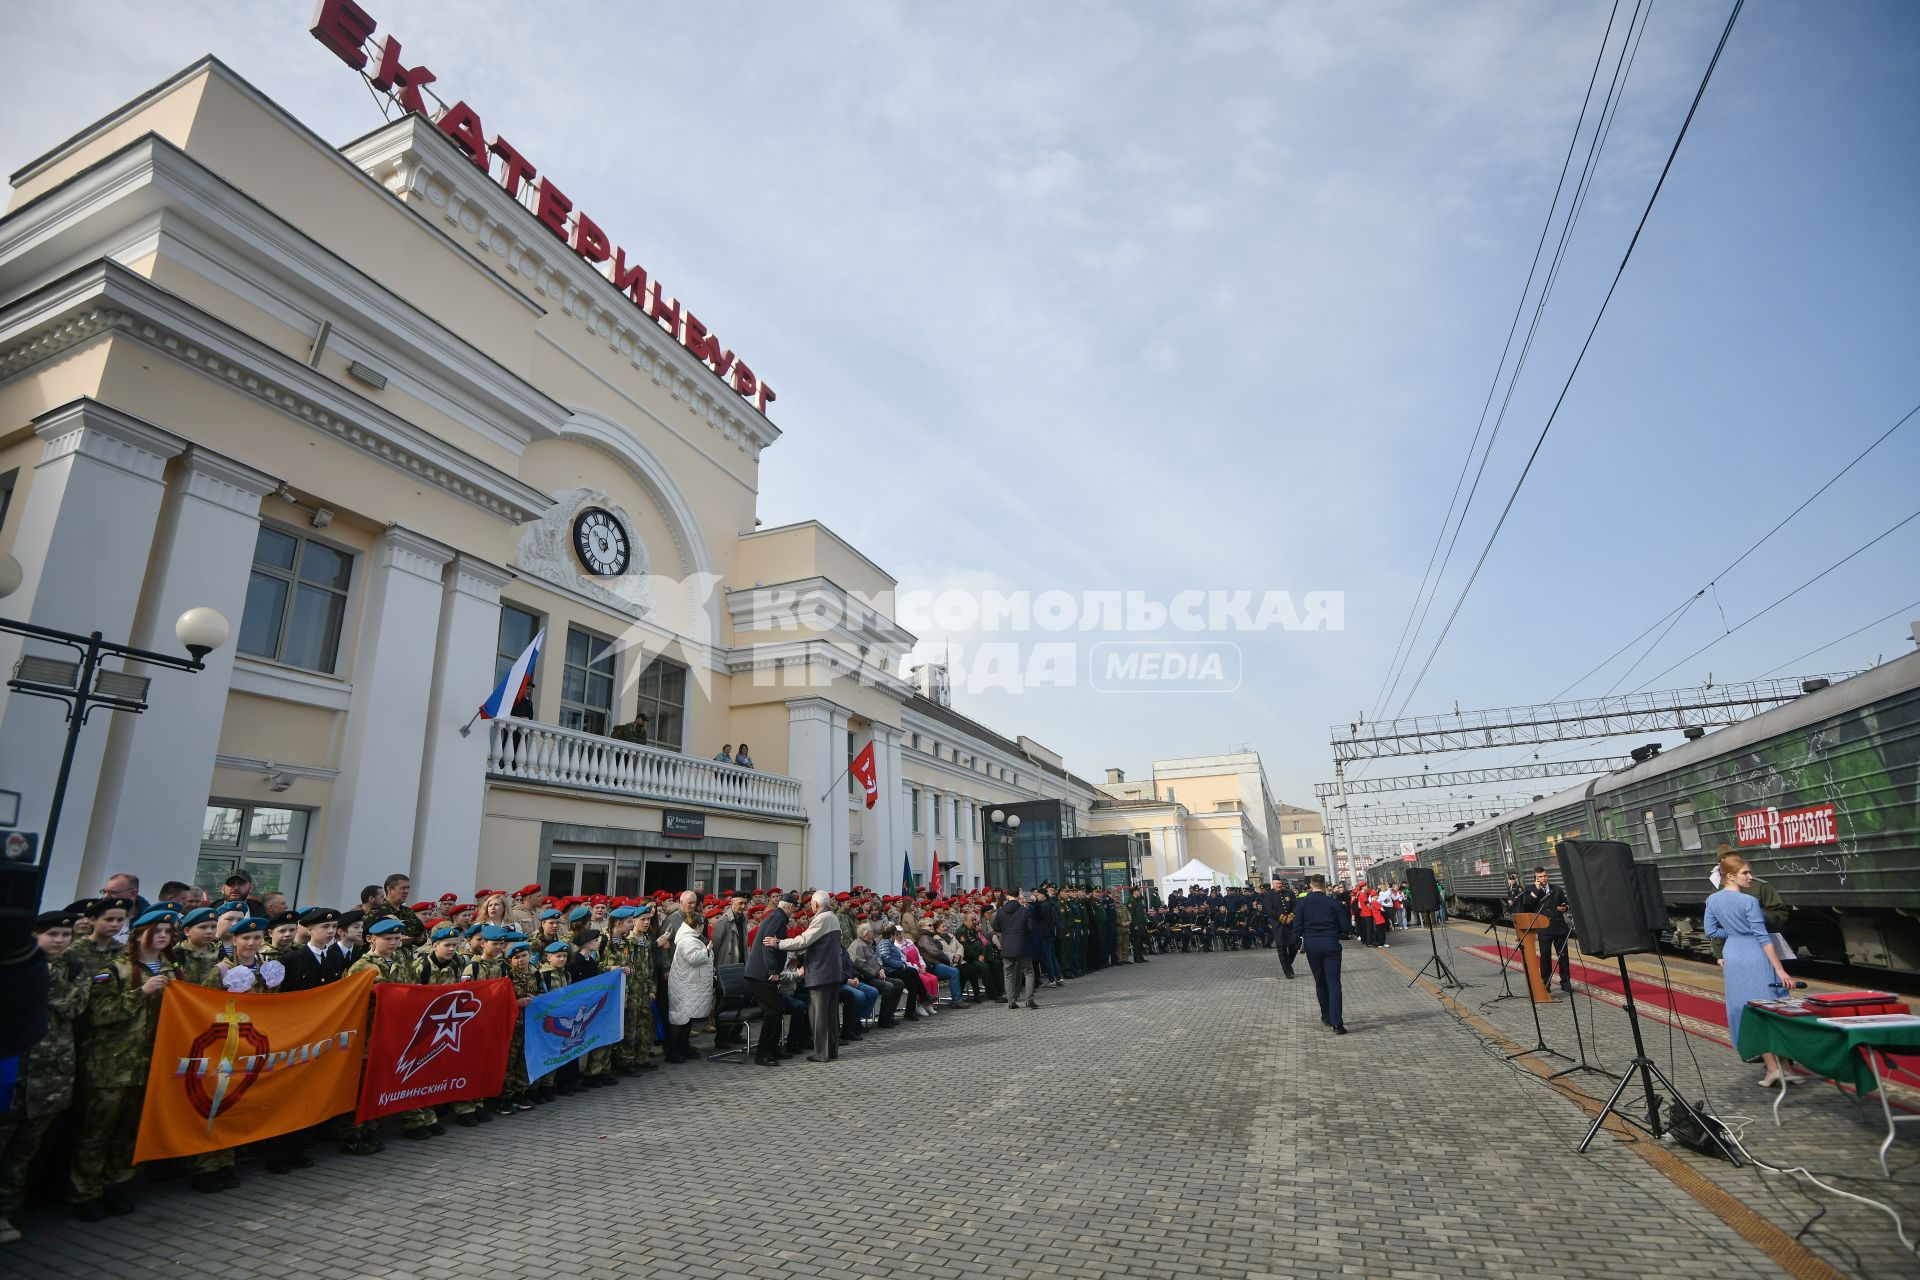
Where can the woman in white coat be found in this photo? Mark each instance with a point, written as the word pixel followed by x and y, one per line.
pixel 689 981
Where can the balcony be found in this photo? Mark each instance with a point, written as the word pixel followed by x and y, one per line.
pixel 547 755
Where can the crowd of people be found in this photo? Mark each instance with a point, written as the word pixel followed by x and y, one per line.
pixel 820 971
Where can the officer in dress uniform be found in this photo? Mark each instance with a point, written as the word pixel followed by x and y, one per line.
pixel 1280 904
pixel 1321 925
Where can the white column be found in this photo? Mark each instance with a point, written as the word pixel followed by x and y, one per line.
pixel 85 538
pixel 158 766
pixel 453 778
pixel 879 848
pixel 950 822
pixel 899 821
pixel 816 753
pixel 376 797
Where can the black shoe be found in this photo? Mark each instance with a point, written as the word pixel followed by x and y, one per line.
pixel 208 1183
pixel 420 1134
pixel 278 1167
pixel 814 1057
pixel 117 1202
pixel 1032 1004
pixel 229 1179
pixel 468 1120
pixel 1289 977
pixel 765 1062
pixel 1340 1030
pixel 90 1210
pixel 525 1104
pixel 483 1113
pixel 789 1053
pixel 300 1160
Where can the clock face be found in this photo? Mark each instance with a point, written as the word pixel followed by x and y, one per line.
pixel 600 543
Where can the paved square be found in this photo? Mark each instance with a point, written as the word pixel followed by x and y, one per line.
pixel 1186 1118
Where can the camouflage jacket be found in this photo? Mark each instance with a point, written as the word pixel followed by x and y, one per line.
pixel 382 910
pixel 397 967
pixel 438 973
pixel 46 1084
pixel 119 1024
pixel 482 970
pixel 92 955
pixel 201 968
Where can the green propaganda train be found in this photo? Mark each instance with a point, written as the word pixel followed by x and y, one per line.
pixel 1821 795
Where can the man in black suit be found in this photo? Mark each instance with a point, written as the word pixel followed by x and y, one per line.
pixel 763 967
pixel 319 962
pixel 1013 922
pixel 1549 900
pixel 1278 902
pixel 1322 923
pixel 1043 928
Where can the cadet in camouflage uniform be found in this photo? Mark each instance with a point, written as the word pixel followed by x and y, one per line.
pixel 438 965
pixel 45 1086
pixel 213 1170
pixel 976 968
pixel 123 1007
pixel 635 1050
pixel 525 987
pixel 489 961
pixel 198 952
pixel 388 961
pixel 281 931
pixel 98 921
pixel 393 906
pixel 1137 926
pixel 551 976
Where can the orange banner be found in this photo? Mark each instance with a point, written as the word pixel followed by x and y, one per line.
pixel 231 1069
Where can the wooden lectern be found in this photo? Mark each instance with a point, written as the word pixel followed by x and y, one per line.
pixel 1526 924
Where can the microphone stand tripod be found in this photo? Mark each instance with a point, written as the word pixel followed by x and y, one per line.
pixel 1579 1044
pixel 1506 987
pixel 1648 1073
pixel 1441 972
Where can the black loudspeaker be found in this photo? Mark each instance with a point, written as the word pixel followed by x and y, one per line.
pixel 1423 891
pixel 1603 895
pixel 1653 899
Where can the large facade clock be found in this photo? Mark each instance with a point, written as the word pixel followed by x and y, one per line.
pixel 601 543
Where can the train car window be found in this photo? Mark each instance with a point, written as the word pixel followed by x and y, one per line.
pixel 1653 830
pixel 1684 823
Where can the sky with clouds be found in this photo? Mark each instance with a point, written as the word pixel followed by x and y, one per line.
pixel 1209 296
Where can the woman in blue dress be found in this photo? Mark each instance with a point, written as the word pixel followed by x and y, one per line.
pixel 1751 969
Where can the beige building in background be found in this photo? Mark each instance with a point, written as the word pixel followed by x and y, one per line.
pixel 366 404
pixel 1219 809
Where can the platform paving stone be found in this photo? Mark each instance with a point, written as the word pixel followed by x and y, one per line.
pixel 1186 1118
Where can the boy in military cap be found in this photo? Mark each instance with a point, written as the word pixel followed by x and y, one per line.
pixel 198 954
pixel 386 958
pixel 553 976
pixel 97 925
pixel 123 1002
pixel 525 987
pixel 44 1088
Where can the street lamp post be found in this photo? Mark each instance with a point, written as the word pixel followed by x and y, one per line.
pixel 1004 826
pixel 83 686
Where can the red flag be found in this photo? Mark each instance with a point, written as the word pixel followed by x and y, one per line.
pixel 434 1044
pixel 933 885
pixel 863 768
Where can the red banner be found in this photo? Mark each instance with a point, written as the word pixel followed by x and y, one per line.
pixel 1785 829
pixel 438 1044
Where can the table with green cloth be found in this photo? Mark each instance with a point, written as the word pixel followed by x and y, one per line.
pixel 1830 1051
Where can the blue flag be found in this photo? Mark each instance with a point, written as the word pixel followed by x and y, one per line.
pixel 562 1025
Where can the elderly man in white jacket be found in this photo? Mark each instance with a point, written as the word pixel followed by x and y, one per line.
pixel 820 959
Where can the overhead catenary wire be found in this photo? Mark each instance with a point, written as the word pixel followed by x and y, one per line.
pixel 1609 110
pixel 1755 617
pixel 1885 617
pixel 1513 327
pixel 1579 359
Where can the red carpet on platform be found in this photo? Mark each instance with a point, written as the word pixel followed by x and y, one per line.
pixel 1696 1010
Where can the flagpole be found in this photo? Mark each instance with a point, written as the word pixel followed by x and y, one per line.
pixel 836 782
pixel 467 728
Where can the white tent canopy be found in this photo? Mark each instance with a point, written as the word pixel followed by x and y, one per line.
pixel 1196 874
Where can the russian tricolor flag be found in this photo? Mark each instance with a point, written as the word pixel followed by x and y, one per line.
pixel 514 683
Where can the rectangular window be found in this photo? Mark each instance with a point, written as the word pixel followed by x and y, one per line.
pixel 7 482
pixel 268 842
pixel 586 683
pixel 517 630
pixel 916 811
pixel 1683 820
pixel 939 813
pixel 663 701
pixel 1653 830
pixel 1309 861
pixel 296 600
